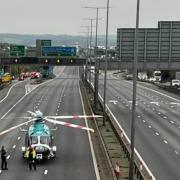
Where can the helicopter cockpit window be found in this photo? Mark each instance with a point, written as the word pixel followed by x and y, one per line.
pixel 44 140
pixel 33 139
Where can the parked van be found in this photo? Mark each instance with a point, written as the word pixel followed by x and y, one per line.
pixel 175 83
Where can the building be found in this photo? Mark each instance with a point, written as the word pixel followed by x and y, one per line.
pixel 154 44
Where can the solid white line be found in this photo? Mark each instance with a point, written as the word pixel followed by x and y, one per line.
pixel 157 92
pixel 9 91
pixel 45 172
pixel 90 142
pixel 23 98
pixel 136 152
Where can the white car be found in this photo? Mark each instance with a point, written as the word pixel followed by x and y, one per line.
pixel 175 82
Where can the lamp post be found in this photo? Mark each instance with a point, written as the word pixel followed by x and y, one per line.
pixel 96 79
pixel 105 68
pixel 90 54
pixel 131 166
pixel 87 33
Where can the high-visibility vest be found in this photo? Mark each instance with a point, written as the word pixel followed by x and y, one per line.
pixel 27 154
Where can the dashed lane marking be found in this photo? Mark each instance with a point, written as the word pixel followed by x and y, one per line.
pixel 19 138
pixel 144 121
pixel 172 122
pixel 14 146
pixel 157 134
pixel 45 172
pixel 150 127
pixel 165 142
pixel 8 157
pixel 176 152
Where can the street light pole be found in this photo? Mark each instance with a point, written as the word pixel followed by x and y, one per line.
pixel 87 52
pixel 90 54
pixel 96 79
pixel 105 69
pixel 131 167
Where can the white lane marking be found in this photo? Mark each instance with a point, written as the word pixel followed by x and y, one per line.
pixel 157 92
pixel 136 152
pixel 165 142
pixel 144 121
pixel 159 113
pixel 150 127
pixel 9 91
pixel 14 146
pixel 19 138
pixel 174 103
pixel 8 157
pixel 0 171
pixel 45 172
pixel 90 142
pixel 138 116
pixel 24 97
pixel 113 101
pixel 172 122
pixel 176 152
pixel 157 133
pixel 156 103
pixel 165 117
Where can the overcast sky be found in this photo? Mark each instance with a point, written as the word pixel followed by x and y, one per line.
pixel 65 16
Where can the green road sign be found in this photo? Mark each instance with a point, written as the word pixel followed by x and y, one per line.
pixel 17 50
pixel 45 42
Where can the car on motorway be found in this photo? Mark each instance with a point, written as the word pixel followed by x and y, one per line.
pixel 175 83
pixel 20 78
pixel 6 78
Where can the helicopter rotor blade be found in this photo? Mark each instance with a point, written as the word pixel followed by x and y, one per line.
pixel 74 117
pixel 68 124
pixel 15 127
pixel 32 113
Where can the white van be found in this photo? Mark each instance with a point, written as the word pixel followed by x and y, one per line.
pixel 175 82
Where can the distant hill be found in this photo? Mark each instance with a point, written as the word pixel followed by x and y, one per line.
pixel 30 40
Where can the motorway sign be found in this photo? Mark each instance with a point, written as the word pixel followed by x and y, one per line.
pixel 17 50
pixel 58 51
pixel 45 43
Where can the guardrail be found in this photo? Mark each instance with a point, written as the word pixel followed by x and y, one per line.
pixel 141 169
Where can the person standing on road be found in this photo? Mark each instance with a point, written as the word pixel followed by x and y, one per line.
pixel 31 155
pixel 3 159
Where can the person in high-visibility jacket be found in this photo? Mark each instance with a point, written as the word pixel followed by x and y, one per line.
pixel 31 155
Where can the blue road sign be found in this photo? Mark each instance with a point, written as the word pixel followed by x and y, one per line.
pixel 58 51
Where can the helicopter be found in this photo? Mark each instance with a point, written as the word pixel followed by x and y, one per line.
pixel 39 135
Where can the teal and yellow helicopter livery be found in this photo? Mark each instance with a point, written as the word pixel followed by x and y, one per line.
pixel 40 137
